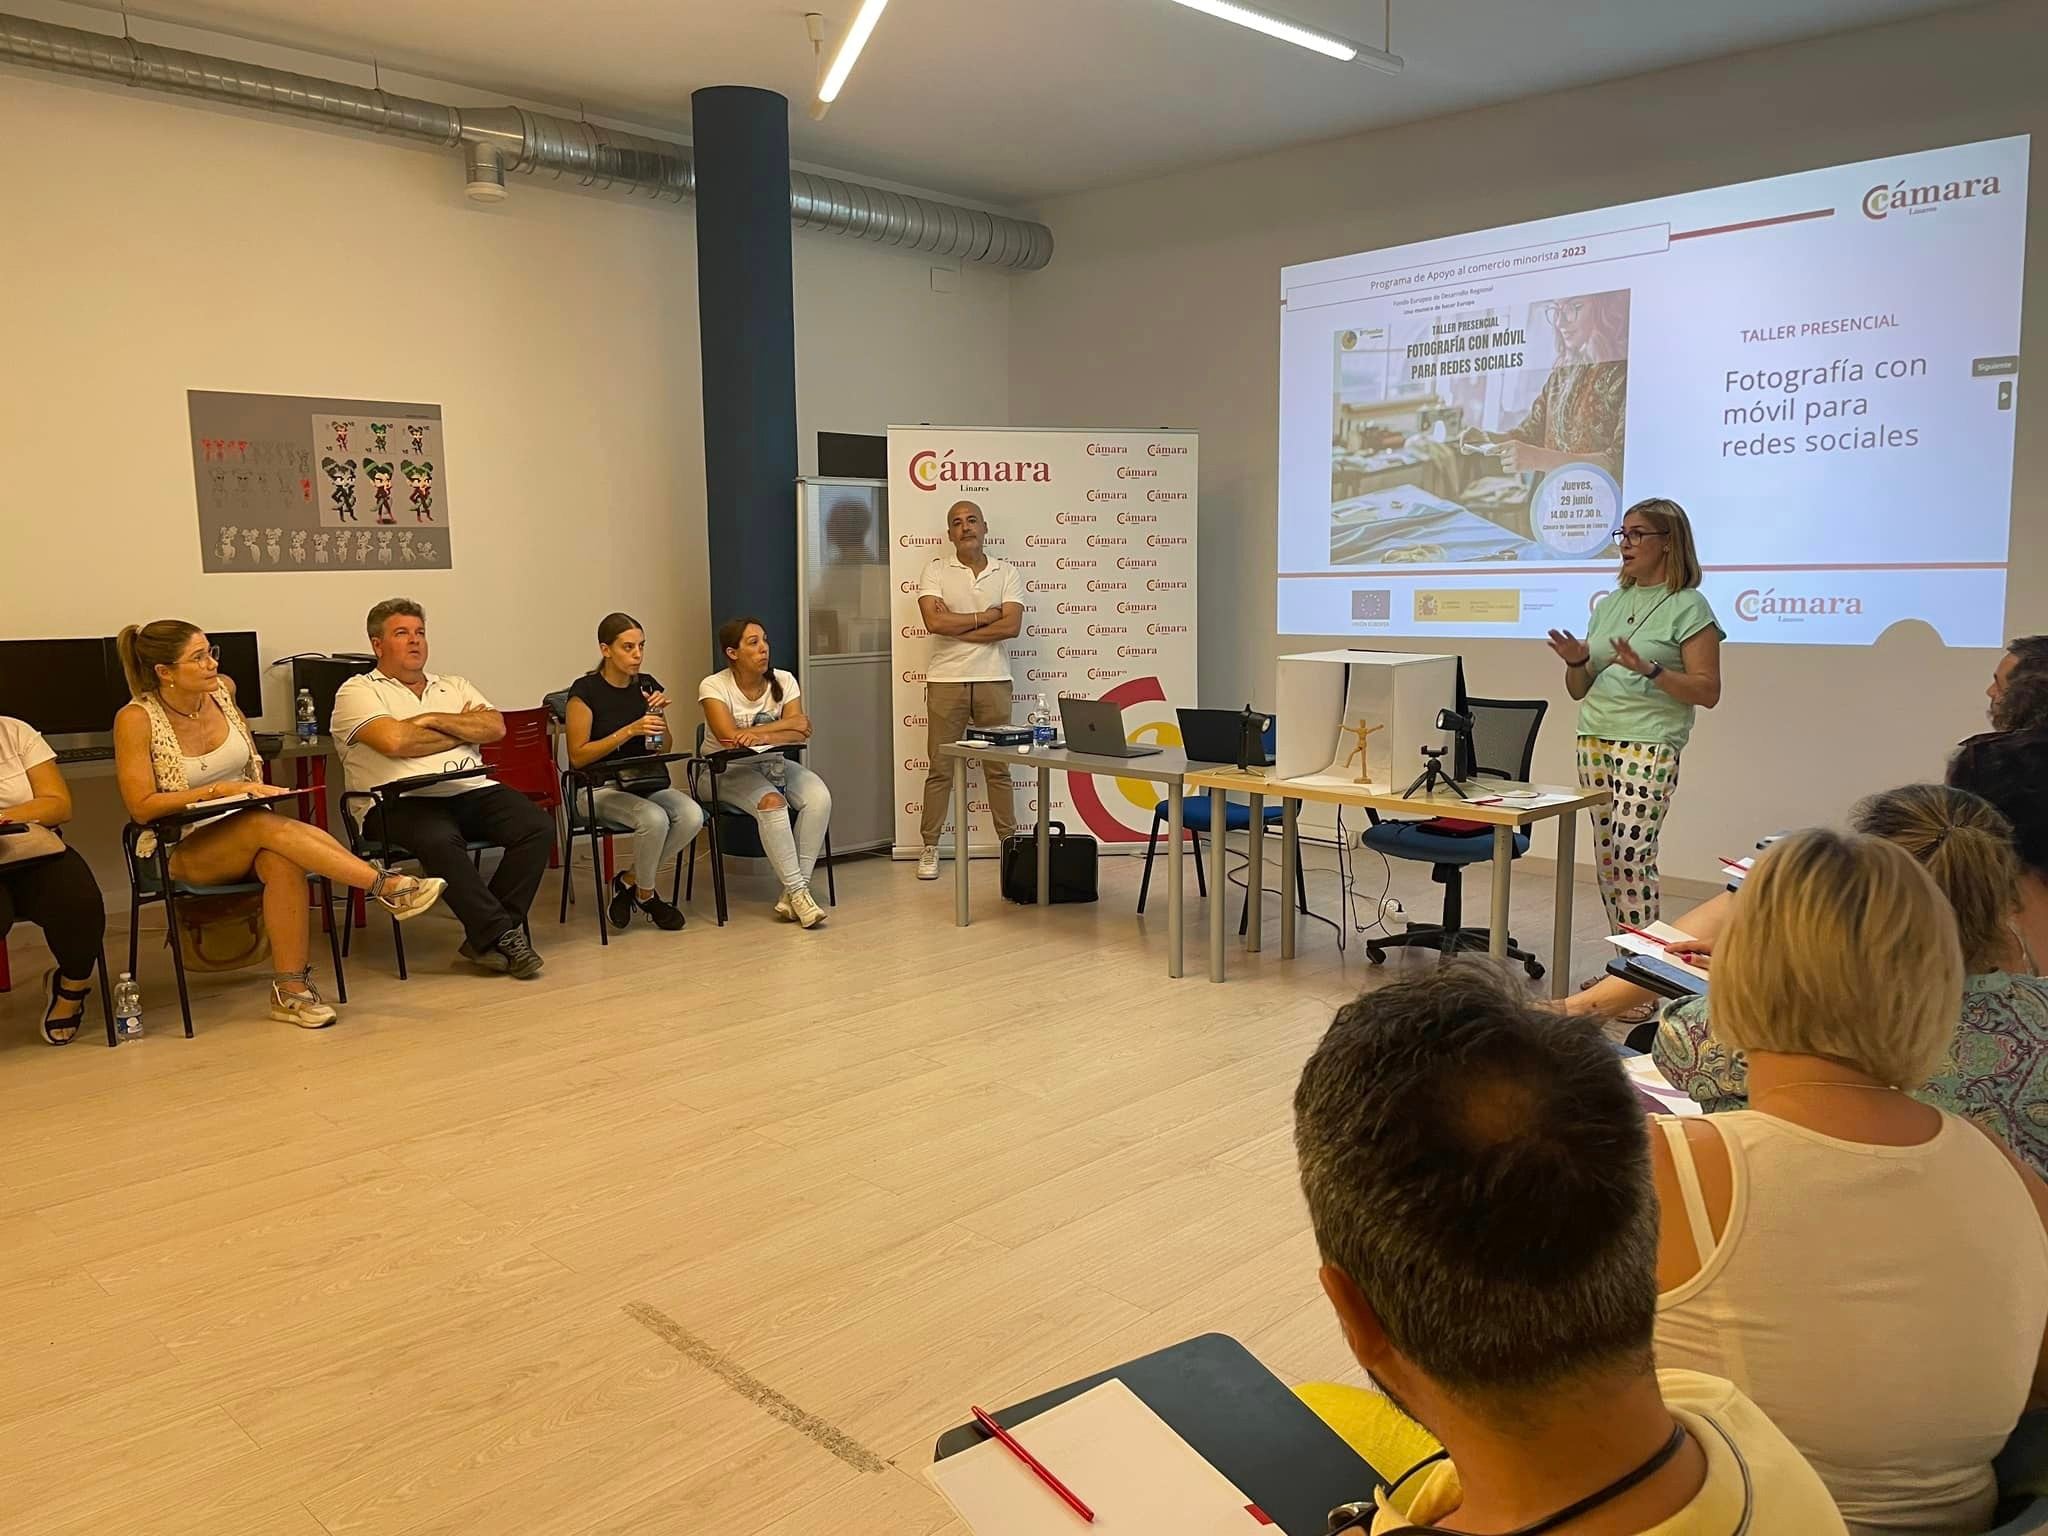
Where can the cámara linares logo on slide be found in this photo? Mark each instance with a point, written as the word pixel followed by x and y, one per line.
pixel 1881 201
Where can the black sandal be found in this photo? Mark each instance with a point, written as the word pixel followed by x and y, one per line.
pixel 52 1028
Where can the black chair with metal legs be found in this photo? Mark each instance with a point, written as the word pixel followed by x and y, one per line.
pixel 146 851
pixel 745 835
pixel 359 805
pixel 580 818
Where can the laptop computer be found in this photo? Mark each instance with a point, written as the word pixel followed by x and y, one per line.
pixel 1097 726
pixel 1211 736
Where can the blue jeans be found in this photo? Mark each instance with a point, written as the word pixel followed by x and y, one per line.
pixel 792 847
pixel 664 825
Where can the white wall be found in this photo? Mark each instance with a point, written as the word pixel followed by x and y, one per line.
pixel 150 245
pixel 1161 305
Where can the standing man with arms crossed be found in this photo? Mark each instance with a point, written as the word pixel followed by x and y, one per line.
pixel 971 602
pixel 401 720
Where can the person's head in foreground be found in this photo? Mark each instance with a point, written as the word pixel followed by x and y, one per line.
pixel 1477 1173
pixel 1843 948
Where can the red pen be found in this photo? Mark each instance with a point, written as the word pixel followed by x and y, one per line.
pixel 1732 863
pixel 1031 1461
pixel 1660 943
pixel 1490 800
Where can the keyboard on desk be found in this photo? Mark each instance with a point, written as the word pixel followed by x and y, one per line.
pixel 86 755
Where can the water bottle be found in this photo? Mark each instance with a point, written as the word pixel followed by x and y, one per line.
pixel 655 741
pixel 1041 721
pixel 309 716
pixel 127 1008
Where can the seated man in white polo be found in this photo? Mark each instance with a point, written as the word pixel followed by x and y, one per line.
pixel 401 720
pixel 971 602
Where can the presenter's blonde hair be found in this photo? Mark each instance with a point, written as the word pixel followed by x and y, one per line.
pixel 1841 946
pixel 1681 555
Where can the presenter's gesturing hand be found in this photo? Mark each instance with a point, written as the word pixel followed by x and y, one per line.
pixel 1577 657
pixel 1569 648
pixel 1625 655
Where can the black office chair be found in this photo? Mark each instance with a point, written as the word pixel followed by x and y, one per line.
pixel 150 884
pixel 358 805
pixel 741 833
pixel 1503 747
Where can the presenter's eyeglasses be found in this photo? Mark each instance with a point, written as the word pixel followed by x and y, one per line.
pixel 1628 538
pixel 211 653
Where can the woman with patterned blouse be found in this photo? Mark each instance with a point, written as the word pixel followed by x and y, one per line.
pixel 1996 1068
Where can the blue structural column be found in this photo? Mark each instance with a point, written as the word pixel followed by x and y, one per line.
pixel 746 318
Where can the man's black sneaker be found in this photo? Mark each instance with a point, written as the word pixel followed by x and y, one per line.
pixel 622 903
pixel 663 914
pixel 520 959
pixel 489 959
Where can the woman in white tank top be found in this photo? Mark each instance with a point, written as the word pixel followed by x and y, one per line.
pixel 1872 1271
pixel 182 743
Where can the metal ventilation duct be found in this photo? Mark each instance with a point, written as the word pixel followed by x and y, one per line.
pixel 498 139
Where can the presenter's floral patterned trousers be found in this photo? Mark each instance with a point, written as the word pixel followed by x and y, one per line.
pixel 1643 776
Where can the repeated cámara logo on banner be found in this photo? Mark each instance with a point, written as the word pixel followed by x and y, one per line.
pixel 1101 527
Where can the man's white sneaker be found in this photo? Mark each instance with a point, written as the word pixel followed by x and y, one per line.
pixel 804 909
pixel 928 864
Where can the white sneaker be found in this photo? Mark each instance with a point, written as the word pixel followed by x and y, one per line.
pixel 928 864
pixel 301 1008
pixel 804 909
pixel 782 908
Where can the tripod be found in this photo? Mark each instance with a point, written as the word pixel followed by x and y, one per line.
pixel 1432 777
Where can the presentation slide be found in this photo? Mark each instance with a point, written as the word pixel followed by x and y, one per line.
pixel 1822 368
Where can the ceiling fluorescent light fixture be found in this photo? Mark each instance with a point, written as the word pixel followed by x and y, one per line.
pixel 1287 30
pixel 849 49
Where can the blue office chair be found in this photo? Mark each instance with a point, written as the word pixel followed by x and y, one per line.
pixel 1195 820
pixel 1503 747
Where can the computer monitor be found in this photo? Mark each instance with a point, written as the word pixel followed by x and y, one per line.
pixel 239 659
pixel 57 686
pixel 322 677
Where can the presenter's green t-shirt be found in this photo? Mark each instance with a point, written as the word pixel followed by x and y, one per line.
pixel 1624 705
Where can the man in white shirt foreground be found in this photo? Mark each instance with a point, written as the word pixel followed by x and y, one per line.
pixel 971 602
pixel 1477 1172
pixel 399 721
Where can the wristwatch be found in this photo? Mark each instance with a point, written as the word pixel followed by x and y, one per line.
pixel 1656 671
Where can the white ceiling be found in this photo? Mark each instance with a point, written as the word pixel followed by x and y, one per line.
pixel 1015 100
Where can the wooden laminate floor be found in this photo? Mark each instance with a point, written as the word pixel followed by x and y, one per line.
pixel 374 1280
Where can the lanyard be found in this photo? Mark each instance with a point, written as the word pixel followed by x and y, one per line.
pixel 1358 1518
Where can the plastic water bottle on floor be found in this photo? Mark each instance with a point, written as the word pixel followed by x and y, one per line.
pixel 127 1008
pixel 1041 721
pixel 309 716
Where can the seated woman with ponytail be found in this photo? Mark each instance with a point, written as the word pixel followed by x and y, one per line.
pixel 751 704
pixel 614 711
pixel 184 743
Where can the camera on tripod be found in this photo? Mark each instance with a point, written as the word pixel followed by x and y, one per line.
pixel 1433 776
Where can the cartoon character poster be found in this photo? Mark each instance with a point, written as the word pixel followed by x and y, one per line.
pixel 285 483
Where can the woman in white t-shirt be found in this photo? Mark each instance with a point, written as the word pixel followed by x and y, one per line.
pixel 751 704
pixel 57 893
pixel 182 743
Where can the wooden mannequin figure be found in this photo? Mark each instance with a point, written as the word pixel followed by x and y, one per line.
pixel 1361 731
